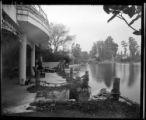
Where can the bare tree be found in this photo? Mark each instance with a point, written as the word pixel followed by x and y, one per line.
pixel 59 36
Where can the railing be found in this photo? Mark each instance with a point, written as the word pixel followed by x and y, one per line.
pixel 40 11
pixel 37 11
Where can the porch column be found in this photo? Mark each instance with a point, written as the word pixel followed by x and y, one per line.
pixel 22 61
pixel 32 59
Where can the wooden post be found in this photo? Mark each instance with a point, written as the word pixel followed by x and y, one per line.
pixel 64 66
pixel 37 77
pixel 87 75
pixel 67 77
pixel 71 73
pixel 116 89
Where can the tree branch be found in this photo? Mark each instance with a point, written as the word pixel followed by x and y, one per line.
pixel 127 23
pixel 119 17
pixel 137 17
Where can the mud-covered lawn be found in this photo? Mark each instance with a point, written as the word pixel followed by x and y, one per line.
pixel 89 109
pixel 107 108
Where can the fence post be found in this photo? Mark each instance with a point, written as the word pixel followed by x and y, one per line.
pixel 116 89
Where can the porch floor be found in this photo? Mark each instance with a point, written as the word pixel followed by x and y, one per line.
pixel 15 98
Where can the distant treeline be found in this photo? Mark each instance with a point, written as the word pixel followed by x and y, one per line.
pixel 49 56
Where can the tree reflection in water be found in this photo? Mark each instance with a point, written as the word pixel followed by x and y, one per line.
pixel 134 74
pixel 129 75
pixel 103 72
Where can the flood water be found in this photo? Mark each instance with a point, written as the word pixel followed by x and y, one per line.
pixel 101 76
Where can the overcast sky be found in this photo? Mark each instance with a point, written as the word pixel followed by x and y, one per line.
pixel 89 24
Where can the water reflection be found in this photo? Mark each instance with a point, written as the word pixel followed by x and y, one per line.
pixel 103 72
pixel 134 74
pixel 122 71
pixel 108 72
pixel 129 75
